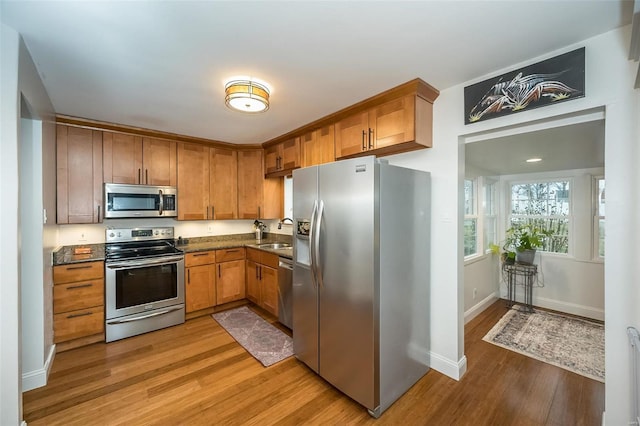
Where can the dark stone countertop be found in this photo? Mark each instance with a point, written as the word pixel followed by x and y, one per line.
pixel 65 255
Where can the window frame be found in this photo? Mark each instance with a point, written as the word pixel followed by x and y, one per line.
pixel 570 216
pixel 473 216
pixel 596 217
pixel 495 213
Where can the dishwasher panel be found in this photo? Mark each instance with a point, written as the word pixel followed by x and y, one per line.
pixel 285 296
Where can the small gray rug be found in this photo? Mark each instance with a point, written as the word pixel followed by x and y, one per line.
pixel 571 343
pixel 265 342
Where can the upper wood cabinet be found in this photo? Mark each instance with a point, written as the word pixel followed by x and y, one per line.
pixel 207 182
pixel 193 181
pixel 79 175
pixel 223 185
pixel 400 125
pixel 258 197
pixel 139 161
pixel 317 147
pixel 282 158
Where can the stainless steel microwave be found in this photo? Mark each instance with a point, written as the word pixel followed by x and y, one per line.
pixel 139 201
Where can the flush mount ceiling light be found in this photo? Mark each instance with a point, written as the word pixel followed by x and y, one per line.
pixel 534 160
pixel 246 95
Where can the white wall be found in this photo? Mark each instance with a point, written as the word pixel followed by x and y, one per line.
pixel 609 84
pixel 481 285
pixel 10 381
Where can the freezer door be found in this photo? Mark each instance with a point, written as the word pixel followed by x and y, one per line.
pixel 347 282
pixel 305 292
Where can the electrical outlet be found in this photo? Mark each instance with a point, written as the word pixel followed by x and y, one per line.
pixel 475 293
pixel 210 229
pixel 82 237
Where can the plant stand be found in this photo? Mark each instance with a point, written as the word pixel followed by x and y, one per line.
pixel 524 275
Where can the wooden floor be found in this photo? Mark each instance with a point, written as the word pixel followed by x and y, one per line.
pixel 196 374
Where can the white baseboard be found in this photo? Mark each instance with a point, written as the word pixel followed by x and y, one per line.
pixel 559 305
pixel 38 378
pixel 477 309
pixel 448 367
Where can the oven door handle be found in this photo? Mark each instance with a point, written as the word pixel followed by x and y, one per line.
pixel 146 262
pixel 141 317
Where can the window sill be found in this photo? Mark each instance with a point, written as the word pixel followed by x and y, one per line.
pixel 475 258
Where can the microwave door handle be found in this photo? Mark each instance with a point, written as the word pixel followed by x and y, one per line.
pixel 161 201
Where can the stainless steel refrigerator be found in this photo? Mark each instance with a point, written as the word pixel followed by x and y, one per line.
pixel 361 277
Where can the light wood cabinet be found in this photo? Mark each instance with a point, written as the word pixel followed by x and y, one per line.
pixel 79 175
pixel 136 160
pixel 200 281
pixel 262 279
pixel 317 147
pixel 282 158
pixel 207 182
pixel 230 282
pixel 193 181
pixel 258 197
pixel 78 304
pixel 399 125
pixel 223 186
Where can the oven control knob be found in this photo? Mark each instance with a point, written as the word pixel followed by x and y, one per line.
pixel 156 233
pixel 119 234
pixel 111 235
pixel 162 232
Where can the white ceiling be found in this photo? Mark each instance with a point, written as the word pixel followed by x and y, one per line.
pixel 578 146
pixel 162 64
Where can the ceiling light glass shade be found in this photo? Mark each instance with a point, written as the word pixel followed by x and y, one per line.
pixel 534 160
pixel 246 96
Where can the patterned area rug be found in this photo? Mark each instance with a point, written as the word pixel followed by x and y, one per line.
pixel 265 342
pixel 571 343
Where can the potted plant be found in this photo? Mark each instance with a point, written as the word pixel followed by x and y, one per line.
pixel 507 256
pixel 524 240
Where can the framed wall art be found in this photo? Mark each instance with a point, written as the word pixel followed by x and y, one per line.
pixel 554 80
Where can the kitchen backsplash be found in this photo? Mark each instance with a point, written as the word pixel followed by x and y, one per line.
pixel 95 233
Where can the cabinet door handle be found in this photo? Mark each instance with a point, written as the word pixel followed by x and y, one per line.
pixel 218 271
pixel 364 145
pixel 69 268
pixel 200 254
pixel 146 176
pixel 99 211
pixel 259 213
pixel 257 276
pixel 84 314
pixel 370 138
pixel 213 215
pixel 73 287
pixel 188 276
pixel 232 251
pixel 139 175
pixel 260 268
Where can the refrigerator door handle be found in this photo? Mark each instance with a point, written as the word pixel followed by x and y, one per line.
pixel 312 253
pixel 317 245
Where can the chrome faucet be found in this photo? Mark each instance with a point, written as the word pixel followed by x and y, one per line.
pixel 283 221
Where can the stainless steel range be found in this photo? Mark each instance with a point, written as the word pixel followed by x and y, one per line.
pixel 144 280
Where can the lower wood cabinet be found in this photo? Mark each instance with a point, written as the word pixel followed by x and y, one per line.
pixel 230 279
pixel 262 279
pixel 78 304
pixel 200 280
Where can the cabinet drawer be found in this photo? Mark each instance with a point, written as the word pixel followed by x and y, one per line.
pixel 76 324
pixel 270 259
pixel 200 258
pixel 253 254
pixel 78 272
pixel 263 257
pixel 230 254
pixel 78 295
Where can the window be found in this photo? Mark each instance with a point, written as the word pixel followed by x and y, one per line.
pixel 599 218
pixel 544 205
pixel 490 214
pixel 470 218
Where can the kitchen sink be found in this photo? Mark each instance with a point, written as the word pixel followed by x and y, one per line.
pixel 275 246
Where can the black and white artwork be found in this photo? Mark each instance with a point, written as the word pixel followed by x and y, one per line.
pixel 545 83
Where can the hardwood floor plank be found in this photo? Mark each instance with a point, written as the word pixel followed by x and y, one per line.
pixel 196 374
